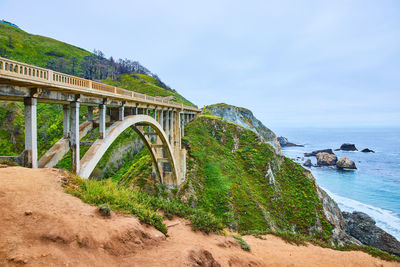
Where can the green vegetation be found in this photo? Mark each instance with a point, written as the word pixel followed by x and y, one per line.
pixel 37 50
pixel 242 243
pixel 139 173
pixel 139 204
pixel 227 175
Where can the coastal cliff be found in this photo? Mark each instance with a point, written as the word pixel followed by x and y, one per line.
pixel 243 118
pixel 246 119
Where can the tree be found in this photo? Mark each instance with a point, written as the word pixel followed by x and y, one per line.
pixel 10 42
pixel 74 62
pixel 3 52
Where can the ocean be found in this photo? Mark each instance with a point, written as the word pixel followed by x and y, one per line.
pixel 374 188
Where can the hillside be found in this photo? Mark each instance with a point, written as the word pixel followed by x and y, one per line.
pixel 43 226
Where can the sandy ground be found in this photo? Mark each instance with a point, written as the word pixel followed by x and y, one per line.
pixel 40 225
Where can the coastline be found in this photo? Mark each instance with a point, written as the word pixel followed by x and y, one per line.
pixel 385 219
pixel 374 187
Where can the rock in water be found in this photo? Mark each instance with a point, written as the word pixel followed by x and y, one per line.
pixel 307 163
pixel 283 141
pixel 345 163
pixel 314 153
pixel 326 159
pixel 362 227
pixel 348 147
pixel 367 150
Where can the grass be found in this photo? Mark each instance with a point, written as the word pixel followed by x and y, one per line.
pixel 242 243
pixel 35 49
pixel 139 204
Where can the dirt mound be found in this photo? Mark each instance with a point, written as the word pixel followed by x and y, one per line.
pixel 40 225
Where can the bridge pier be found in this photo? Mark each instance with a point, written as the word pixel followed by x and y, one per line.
pixel 66 121
pixel 162 118
pixel 121 113
pixel 102 121
pixel 171 127
pixel 167 124
pixel 31 153
pixel 90 113
pixel 74 139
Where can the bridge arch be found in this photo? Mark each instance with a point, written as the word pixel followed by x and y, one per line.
pixel 100 146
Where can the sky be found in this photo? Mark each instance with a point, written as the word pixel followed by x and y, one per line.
pixel 293 63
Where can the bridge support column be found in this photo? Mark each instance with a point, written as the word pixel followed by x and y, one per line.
pixel 90 113
pixel 66 121
pixel 182 122
pixel 74 140
pixel 162 118
pixel 121 113
pixel 102 121
pixel 167 124
pixel 31 152
pixel 155 117
pixel 171 127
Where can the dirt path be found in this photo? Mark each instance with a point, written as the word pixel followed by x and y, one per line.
pixel 40 225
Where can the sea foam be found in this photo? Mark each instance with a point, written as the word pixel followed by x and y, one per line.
pixel 385 219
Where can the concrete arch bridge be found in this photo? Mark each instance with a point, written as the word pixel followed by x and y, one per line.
pixel 159 122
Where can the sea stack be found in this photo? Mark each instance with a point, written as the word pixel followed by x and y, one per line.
pixel 345 163
pixel 348 147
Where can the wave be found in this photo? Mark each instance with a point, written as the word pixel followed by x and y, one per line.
pixel 385 219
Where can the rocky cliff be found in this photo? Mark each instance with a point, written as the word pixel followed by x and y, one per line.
pixel 237 175
pixel 246 119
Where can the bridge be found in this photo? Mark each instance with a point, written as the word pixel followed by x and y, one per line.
pixel 159 122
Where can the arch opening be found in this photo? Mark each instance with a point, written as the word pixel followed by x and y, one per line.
pixel 161 154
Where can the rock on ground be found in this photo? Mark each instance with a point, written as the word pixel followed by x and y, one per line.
pixel 362 227
pixel 345 163
pixel 326 159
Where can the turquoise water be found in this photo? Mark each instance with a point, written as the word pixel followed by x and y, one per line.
pixel 374 188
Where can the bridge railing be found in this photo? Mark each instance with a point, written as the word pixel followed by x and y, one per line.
pixel 18 69
pixel 28 72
